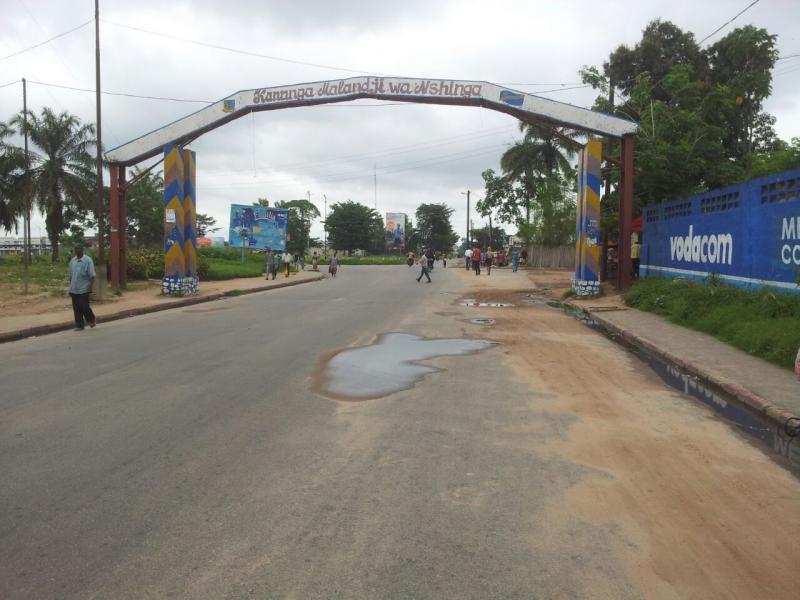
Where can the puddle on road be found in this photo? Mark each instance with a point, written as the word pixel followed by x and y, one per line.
pixel 389 365
pixel 471 302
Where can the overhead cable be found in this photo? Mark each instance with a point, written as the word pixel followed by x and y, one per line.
pixel 47 41
pixel 728 22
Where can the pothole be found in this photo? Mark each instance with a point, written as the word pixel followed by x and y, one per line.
pixel 389 365
pixel 483 321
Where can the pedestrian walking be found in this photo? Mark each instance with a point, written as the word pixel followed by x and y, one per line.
pixel 81 279
pixel 514 259
pixel 468 258
pixel 636 252
pixel 423 263
pixel 444 260
pixel 286 259
pixel 272 265
pixel 302 259
pixel 334 266
pixel 524 256
pixel 476 260
pixel 315 261
pixel 489 259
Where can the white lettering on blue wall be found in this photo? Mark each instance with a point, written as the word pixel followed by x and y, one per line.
pixel 790 231
pixel 702 249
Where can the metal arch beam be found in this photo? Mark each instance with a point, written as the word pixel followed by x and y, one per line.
pixel 421 91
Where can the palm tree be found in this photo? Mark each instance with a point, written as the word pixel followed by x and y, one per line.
pixel 12 168
pixel 540 153
pixel 62 175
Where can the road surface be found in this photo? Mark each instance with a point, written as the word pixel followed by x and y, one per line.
pixel 184 454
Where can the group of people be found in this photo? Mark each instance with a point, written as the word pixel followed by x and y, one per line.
pixel 474 258
pixel 274 261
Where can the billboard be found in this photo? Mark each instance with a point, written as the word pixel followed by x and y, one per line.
pixel 746 234
pixel 258 227
pixel 395 231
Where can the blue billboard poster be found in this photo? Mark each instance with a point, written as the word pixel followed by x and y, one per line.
pixel 258 227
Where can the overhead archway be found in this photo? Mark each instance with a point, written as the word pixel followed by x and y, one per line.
pixel 526 107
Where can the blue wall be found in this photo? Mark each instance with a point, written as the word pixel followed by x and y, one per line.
pixel 748 234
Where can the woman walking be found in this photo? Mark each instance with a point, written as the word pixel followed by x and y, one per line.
pixel 514 260
pixel 489 259
pixel 314 261
pixel 334 266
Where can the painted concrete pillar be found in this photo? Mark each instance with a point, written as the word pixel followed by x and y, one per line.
pixel 191 280
pixel 174 228
pixel 586 280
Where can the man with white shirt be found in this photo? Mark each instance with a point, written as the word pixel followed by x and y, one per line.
pixel 81 279
pixel 468 258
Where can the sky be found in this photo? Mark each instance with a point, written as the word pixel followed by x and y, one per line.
pixel 389 156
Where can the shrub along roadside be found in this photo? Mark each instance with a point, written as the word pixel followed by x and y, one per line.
pixel 764 323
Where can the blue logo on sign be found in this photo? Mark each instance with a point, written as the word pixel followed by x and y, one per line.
pixel 228 105
pixel 512 98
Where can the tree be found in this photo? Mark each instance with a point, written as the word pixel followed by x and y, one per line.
pixel 145 200
pixel 62 177
pixel 412 236
pixel 12 168
pixel 434 228
pixel 540 153
pixel 354 226
pixel 480 237
pixel 205 225
pixel 502 197
pixel 301 214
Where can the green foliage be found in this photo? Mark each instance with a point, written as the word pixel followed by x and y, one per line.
pixel 226 263
pixel 380 259
pixel 700 111
pixel 781 158
pixel 352 226
pixel 145 201
pixel 301 214
pixel 205 225
pixel 61 178
pixel 43 271
pixel 480 236
pixel 434 228
pixel 145 263
pixel 761 322
pixel 12 194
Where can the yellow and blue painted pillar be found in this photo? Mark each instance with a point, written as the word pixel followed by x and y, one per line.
pixel 586 280
pixel 180 220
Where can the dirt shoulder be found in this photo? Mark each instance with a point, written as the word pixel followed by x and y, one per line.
pixel 696 510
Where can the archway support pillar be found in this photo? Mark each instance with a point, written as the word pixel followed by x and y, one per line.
pixel 119 227
pixel 625 274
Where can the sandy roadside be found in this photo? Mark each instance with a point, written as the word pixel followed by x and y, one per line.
pixel 696 510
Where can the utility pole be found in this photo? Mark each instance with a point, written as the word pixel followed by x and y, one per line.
pixel 325 228
pixel 100 242
pixel 375 182
pixel 26 226
pixel 467 195
pixel 490 230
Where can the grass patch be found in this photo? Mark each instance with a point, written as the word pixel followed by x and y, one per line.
pixel 763 323
pixel 42 271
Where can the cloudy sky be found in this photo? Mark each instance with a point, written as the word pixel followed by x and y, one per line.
pixel 416 153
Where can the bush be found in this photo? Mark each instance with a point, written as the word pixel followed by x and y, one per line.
pixel 763 322
pixel 145 263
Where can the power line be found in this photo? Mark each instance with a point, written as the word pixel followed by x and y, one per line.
pixel 787 57
pixel 47 41
pixel 125 94
pixel 726 23
pixel 9 83
pixel 239 51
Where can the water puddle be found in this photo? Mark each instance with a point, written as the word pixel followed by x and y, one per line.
pixel 485 304
pixel 389 365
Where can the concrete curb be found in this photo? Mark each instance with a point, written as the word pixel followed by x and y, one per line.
pixel 782 419
pixel 12 336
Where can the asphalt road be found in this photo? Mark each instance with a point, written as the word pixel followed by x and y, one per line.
pixel 184 454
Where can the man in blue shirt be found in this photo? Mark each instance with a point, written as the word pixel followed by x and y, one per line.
pixel 81 279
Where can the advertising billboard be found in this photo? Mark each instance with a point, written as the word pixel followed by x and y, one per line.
pixel 258 227
pixel 395 231
pixel 746 234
